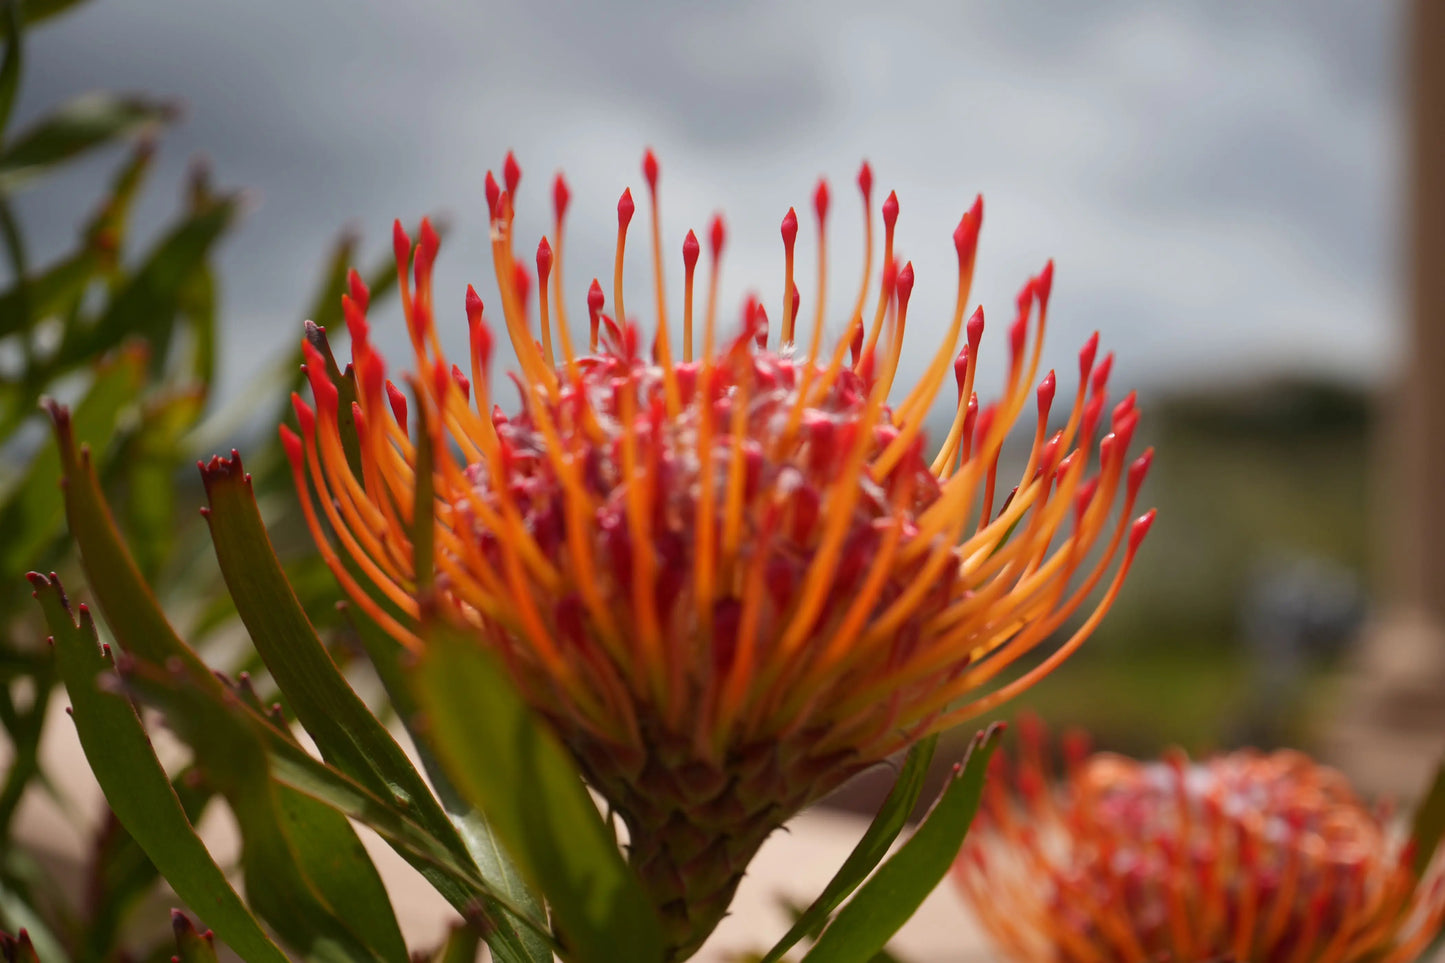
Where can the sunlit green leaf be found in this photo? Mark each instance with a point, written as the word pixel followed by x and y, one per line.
pixel 869 851
pixel 139 792
pixel 291 882
pixel 887 901
pixel 517 774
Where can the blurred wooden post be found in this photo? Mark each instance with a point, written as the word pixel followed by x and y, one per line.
pixel 1391 727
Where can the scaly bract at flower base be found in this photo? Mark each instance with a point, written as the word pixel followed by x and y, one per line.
pixel 724 571
pixel 1269 858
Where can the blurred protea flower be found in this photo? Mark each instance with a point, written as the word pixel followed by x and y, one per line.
pixel 1265 858
pixel 723 568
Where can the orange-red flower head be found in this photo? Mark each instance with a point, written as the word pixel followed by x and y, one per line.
pixel 727 572
pixel 1267 858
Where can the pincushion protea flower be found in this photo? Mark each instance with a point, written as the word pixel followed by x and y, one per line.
pixel 1245 856
pixel 726 573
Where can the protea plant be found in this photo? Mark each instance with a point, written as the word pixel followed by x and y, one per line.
pixel 722 573
pixel 1267 857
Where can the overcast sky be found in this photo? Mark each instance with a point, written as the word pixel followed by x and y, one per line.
pixel 1217 183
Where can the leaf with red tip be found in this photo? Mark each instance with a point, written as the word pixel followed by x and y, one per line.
pixel 191 946
pixel 649 169
pixel 894 892
pixel 310 860
pixel 137 787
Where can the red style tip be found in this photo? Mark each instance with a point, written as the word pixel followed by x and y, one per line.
pixel 522 284
pixel 984 424
pixel 291 442
pixel 1045 284
pixel 890 210
pixel 690 249
pixel 960 370
pixel 400 244
pixel 595 298
pixel 796 301
pixel 398 404
pixel 305 415
pixel 890 277
pixel 494 195
pixel 1123 408
pixel 1086 356
pixel 462 383
pixel 855 343
pixel 359 293
pixel 625 209
pixel 905 285
pixel 975 328
pixel 482 344
pixel 1017 334
pixel 865 181
pixel 511 174
pixel 1140 528
pixel 560 196
pixel 429 242
pixel 1085 497
pixel 820 201
pixel 1139 470
pixel 474 306
pixel 716 236
pixel 1046 394
pixel 649 169
pixel 790 228
pixel 544 261
pixel 1101 373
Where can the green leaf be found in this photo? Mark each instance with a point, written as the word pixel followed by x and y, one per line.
pixel 37 11
pixel 80 125
pixel 871 849
pixel 1428 826
pixel 520 944
pixel 31 515
pixel 292 766
pixel 293 885
pixel 139 792
pixel 345 731
pixel 10 69
pixel 890 897
pixel 520 777
pixel 192 947
pixel 461 946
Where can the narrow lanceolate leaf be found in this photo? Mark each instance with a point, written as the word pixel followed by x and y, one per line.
pixel 513 941
pixel 346 732
pixel 140 793
pixel 30 516
pixel 461 946
pixel 1429 824
pixel 37 11
pixel 192 946
pixel 87 122
pixel 521 778
pixel 307 873
pixel 868 853
pixel 10 69
pixel 883 904
pixel 294 768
